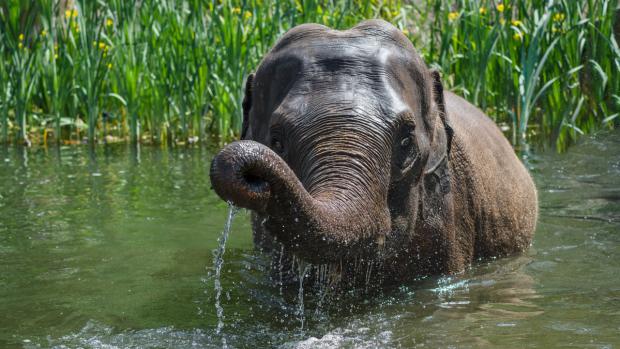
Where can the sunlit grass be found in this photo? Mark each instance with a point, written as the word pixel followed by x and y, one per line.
pixel 172 72
pixel 548 69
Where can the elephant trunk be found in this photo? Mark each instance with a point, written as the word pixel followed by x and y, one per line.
pixel 319 229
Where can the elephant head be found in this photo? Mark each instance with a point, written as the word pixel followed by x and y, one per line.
pixel 343 137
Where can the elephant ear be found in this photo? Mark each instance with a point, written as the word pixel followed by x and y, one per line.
pixel 247 105
pixel 441 144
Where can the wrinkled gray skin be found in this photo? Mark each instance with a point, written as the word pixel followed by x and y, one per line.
pixel 354 157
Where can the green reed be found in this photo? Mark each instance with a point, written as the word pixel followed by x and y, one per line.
pixel 172 72
pixel 547 69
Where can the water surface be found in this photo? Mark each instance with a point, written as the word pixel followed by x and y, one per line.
pixel 114 248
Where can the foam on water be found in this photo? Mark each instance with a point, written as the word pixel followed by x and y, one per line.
pixel 96 335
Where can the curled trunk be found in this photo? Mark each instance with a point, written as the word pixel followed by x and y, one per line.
pixel 318 229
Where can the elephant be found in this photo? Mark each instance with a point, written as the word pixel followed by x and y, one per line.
pixel 353 156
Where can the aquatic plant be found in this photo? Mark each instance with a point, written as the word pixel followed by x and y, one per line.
pixel 533 66
pixel 165 71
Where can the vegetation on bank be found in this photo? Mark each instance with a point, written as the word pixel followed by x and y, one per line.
pixel 169 71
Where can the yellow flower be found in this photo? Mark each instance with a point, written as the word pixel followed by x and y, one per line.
pixel 517 36
pixel 516 22
pixel 500 7
pixel 247 14
pixel 559 17
pixel 236 10
pixel 109 65
pixel 109 22
pixel 101 45
pixel 502 21
pixel 21 37
pixel 482 10
pixel 55 55
pixel 453 16
pixel 43 33
pixel 20 45
pixel 71 13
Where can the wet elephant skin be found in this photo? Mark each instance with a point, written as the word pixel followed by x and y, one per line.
pixel 354 157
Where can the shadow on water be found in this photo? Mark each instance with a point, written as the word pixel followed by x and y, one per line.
pixel 112 247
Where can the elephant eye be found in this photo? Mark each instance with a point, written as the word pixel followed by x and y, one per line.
pixel 405 142
pixel 276 144
pixel 277 138
pixel 406 127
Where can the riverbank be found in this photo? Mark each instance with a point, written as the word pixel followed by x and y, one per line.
pixel 172 72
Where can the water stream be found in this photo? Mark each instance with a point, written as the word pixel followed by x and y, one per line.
pixel 218 262
pixel 107 249
pixel 302 271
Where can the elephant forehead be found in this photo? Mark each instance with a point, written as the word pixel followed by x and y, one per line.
pixel 332 55
pixel 344 108
pixel 345 73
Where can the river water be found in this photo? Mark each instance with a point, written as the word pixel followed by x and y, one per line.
pixel 115 249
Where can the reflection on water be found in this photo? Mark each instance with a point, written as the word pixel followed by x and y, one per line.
pixel 108 249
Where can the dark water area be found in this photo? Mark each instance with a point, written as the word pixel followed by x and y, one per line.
pixel 115 249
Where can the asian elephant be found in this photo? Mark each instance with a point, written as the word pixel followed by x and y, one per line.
pixel 354 157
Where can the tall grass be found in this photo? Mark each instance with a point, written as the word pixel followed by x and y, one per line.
pixel 163 71
pixel 172 72
pixel 548 69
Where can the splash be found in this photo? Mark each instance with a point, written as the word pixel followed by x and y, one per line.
pixel 218 262
pixel 280 267
pixel 303 269
pixel 324 278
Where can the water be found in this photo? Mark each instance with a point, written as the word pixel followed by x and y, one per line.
pixel 109 250
pixel 303 269
pixel 219 261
